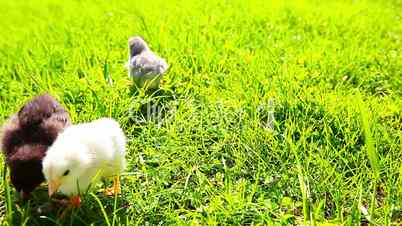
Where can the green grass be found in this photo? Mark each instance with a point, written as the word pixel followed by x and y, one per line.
pixel 271 113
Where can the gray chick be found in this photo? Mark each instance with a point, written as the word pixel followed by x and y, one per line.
pixel 144 66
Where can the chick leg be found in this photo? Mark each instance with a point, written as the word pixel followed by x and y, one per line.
pixel 116 185
pixel 115 189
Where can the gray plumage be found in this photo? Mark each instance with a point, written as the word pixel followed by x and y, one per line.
pixel 143 64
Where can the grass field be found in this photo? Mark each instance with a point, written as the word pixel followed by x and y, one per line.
pixel 271 113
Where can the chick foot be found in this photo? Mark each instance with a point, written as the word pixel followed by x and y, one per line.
pixel 75 201
pixel 115 189
pixel 68 204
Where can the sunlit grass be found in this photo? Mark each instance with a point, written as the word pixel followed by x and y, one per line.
pixel 271 113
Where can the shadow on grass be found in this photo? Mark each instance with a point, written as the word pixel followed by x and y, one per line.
pixel 40 210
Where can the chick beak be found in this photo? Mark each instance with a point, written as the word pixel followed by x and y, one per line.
pixel 53 186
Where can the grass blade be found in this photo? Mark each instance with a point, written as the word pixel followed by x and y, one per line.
pixel 102 209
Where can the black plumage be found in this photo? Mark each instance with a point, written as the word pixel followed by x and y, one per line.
pixel 26 137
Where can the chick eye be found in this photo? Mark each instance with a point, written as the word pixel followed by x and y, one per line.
pixel 66 172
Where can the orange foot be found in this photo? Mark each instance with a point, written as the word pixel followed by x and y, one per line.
pixel 115 189
pixel 75 201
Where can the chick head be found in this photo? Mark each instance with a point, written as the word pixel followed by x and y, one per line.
pixel 64 166
pixel 40 108
pixel 136 45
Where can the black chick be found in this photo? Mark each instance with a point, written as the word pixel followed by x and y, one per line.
pixel 26 137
